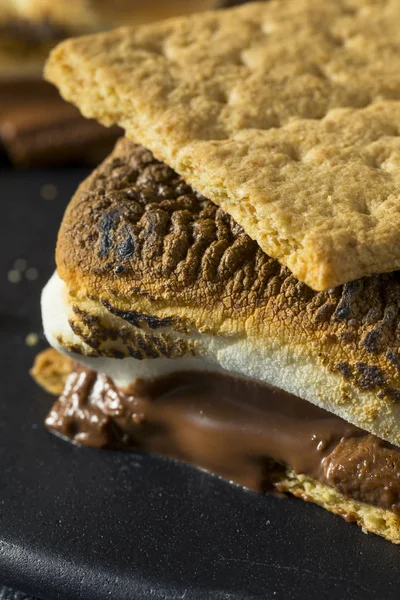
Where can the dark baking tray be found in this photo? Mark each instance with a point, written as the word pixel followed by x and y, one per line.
pixel 83 524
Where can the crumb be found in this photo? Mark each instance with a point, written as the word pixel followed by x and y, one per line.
pixel 14 276
pixel 32 273
pixel 48 191
pixel 32 339
pixel 20 264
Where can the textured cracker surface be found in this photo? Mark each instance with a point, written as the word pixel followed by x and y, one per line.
pixel 284 113
pixel 140 251
pixel 50 371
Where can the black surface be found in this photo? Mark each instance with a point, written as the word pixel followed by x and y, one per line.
pixel 9 594
pixel 83 524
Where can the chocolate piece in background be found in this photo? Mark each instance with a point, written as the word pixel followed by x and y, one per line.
pixel 37 128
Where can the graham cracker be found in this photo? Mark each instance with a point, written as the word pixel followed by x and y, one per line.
pixel 284 113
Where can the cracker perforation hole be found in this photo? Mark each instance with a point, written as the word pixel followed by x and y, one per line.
pixel 268 28
pixel 334 39
pixel 350 11
pixel 244 60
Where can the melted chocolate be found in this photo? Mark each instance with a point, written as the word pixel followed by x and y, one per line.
pixel 243 431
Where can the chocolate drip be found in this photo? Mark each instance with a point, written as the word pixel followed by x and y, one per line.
pixel 243 431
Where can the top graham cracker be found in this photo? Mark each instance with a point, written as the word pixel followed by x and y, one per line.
pixel 285 113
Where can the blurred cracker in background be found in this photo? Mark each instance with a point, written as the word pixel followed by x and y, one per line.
pixel 37 128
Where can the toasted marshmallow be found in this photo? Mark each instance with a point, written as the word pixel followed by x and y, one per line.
pixel 273 363
pixel 56 311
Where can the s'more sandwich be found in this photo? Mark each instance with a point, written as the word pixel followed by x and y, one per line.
pixel 226 289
